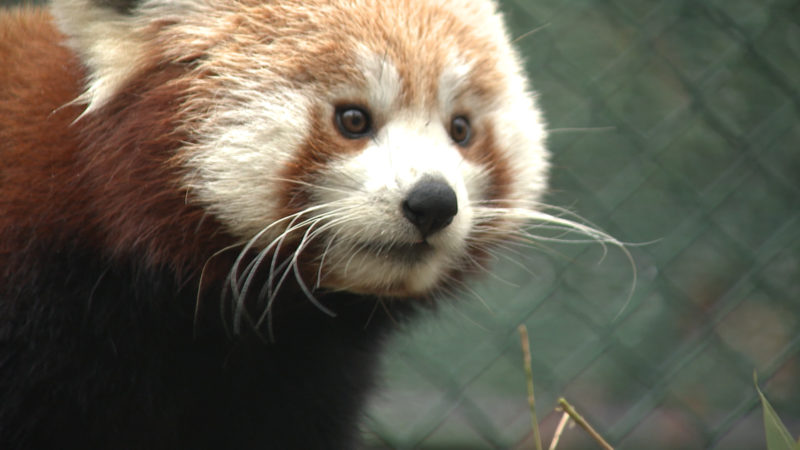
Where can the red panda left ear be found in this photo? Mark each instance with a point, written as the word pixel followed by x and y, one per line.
pixel 109 40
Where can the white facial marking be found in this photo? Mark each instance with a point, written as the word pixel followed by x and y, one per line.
pixel 382 80
pixel 236 168
pixel 452 81
pixel 374 184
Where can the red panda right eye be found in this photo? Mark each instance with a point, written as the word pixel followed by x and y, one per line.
pixel 353 122
pixel 460 131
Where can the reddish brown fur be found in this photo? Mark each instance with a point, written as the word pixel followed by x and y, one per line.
pixel 403 32
pixel 36 141
pixel 322 145
pixel 110 178
pixel 485 152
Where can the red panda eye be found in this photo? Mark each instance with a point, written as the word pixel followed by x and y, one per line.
pixel 460 131
pixel 353 122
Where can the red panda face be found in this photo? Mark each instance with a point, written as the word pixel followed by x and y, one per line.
pixel 388 144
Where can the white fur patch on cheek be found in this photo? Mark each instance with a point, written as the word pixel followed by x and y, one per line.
pixel 236 165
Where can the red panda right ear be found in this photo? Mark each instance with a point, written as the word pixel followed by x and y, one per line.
pixel 110 40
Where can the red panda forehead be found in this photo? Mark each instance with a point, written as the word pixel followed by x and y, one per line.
pixel 334 44
pixel 430 48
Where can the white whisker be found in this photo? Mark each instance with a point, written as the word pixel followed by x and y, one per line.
pixel 290 264
pixel 200 284
pixel 240 280
pixel 536 219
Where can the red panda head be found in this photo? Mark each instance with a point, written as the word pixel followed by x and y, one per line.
pixel 389 144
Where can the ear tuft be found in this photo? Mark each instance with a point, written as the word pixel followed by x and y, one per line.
pixel 105 35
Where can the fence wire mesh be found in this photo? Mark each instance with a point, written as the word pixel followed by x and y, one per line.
pixel 674 125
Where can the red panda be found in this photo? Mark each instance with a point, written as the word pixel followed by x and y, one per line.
pixel 214 212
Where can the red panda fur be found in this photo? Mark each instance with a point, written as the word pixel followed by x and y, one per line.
pixel 108 184
pixel 109 178
pixel 126 316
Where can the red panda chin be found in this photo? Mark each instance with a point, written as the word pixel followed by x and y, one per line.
pixel 401 274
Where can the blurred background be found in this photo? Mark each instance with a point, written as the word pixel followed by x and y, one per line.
pixel 675 127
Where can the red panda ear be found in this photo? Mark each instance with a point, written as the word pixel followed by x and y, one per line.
pixel 110 41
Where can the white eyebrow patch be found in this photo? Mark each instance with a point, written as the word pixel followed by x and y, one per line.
pixel 381 86
pixel 453 82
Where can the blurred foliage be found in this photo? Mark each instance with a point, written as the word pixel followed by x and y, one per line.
pixel 777 436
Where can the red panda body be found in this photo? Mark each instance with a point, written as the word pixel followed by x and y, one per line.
pixel 210 219
pixel 102 349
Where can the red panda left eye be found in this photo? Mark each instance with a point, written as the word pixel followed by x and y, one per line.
pixel 353 122
pixel 460 131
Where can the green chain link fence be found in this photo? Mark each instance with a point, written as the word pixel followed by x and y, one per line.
pixel 675 126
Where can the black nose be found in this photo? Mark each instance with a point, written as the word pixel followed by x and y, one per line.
pixel 430 205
